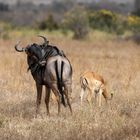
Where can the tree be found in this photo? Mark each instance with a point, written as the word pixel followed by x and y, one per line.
pixel 77 21
pixel 4 7
pixel 48 23
pixel 137 7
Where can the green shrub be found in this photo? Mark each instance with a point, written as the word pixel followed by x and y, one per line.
pixel 4 30
pixel 134 23
pixel 103 20
pixel 48 23
pixel 121 24
pixel 5 36
pixel 76 20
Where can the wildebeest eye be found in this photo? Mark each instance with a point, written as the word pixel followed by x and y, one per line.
pixel 26 50
pixel 29 51
pixel 33 51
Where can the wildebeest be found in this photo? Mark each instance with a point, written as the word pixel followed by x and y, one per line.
pixel 51 68
pixel 94 84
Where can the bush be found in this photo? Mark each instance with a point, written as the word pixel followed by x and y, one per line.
pixel 121 24
pixel 4 7
pixel 103 20
pixel 134 23
pixel 76 20
pixel 5 28
pixel 137 12
pixel 49 24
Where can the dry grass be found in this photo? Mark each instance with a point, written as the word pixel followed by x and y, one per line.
pixel 117 62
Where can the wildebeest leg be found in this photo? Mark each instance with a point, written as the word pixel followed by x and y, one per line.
pixel 57 94
pixel 67 91
pixel 47 97
pixel 38 101
pixel 58 100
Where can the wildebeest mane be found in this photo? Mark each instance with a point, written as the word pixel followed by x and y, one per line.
pixel 49 51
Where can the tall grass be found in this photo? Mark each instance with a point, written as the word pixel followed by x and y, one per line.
pixel 117 61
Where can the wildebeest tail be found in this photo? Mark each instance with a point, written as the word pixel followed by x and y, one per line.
pixel 59 71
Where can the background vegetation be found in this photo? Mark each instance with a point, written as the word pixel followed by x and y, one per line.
pixel 80 19
pixel 94 37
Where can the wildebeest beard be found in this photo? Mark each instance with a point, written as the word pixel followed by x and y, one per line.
pixel 36 55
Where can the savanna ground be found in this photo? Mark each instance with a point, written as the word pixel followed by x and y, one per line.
pixel 117 61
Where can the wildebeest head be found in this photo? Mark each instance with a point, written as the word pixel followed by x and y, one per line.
pixel 38 54
pixel 33 51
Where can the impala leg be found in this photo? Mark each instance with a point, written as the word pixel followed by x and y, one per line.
pixel 96 98
pixel 89 97
pixel 100 97
pixel 105 95
pixel 82 95
pixel 47 98
pixel 38 101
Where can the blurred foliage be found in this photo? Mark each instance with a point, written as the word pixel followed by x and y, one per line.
pixel 134 23
pixel 79 21
pixel 48 23
pixel 102 20
pixel 76 20
pixel 108 21
pixel 4 30
pixel 137 12
pixel 121 24
pixel 5 26
pixel 137 7
pixel 4 7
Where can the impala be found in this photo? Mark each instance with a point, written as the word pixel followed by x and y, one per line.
pixel 94 84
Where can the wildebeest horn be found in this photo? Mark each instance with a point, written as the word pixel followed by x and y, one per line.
pixel 17 49
pixel 45 39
